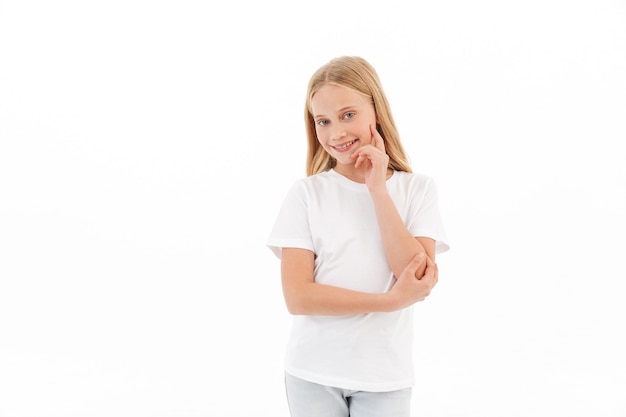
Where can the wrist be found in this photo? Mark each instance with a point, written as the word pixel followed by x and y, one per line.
pixel 391 302
pixel 378 191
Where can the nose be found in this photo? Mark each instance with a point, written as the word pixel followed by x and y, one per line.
pixel 337 133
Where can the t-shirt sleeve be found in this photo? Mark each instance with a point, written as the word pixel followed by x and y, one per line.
pixel 425 219
pixel 291 227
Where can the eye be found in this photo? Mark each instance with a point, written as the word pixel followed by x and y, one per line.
pixel 349 115
pixel 322 122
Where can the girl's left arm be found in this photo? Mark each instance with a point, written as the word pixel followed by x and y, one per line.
pixel 400 246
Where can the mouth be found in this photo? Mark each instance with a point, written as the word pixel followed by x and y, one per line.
pixel 344 146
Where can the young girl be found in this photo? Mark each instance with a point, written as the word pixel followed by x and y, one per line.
pixel 357 240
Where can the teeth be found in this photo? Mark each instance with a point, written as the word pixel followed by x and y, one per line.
pixel 344 146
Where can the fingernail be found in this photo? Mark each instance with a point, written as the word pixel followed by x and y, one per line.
pixel 421 255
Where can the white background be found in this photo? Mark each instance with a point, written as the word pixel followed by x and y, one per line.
pixel 145 147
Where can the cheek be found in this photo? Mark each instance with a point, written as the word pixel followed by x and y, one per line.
pixel 321 138
pixel 366 135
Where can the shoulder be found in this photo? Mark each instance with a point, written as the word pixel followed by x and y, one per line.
pixel 312 180
pixel 311 185
pixel 322 180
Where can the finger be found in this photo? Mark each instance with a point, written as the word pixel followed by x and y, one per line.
pixel 432 265
pixel 371 154
pixel 360 160
pixel 415 263
pixel 377 139
pixel 430 273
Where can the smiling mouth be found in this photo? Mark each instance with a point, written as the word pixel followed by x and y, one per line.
pixel 344 146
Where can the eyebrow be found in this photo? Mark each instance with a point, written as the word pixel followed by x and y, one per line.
pixel 351 106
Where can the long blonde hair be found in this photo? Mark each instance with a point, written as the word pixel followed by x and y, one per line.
pixel 357 74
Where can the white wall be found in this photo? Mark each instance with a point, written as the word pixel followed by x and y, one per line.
pixel 145 147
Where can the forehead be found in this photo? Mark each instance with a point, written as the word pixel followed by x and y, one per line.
pixel 334 97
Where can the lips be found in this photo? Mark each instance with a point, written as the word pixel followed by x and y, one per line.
pixel 344 146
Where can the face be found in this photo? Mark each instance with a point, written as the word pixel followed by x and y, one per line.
pixel 342 121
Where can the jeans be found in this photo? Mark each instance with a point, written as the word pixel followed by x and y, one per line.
pixel 307 399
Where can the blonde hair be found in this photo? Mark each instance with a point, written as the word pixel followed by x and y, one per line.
pixel 357 74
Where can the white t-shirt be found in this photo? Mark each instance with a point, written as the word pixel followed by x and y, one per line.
pixel 334 217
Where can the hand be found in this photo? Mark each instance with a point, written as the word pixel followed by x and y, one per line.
pixel 375 159
pixel 408 290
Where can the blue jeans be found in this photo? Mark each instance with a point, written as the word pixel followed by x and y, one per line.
pixel 307 399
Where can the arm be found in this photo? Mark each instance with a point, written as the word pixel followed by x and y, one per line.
pixel 304 296
pixel 400 246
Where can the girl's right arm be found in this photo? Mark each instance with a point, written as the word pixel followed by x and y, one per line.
pixel 304 296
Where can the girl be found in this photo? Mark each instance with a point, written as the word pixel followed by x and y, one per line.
pixel 357 240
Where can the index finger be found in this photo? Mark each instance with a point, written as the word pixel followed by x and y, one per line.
pixel 377 139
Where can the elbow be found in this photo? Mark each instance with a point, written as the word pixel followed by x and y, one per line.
pixel 295 305
pixel 295 311
pixel 292 307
